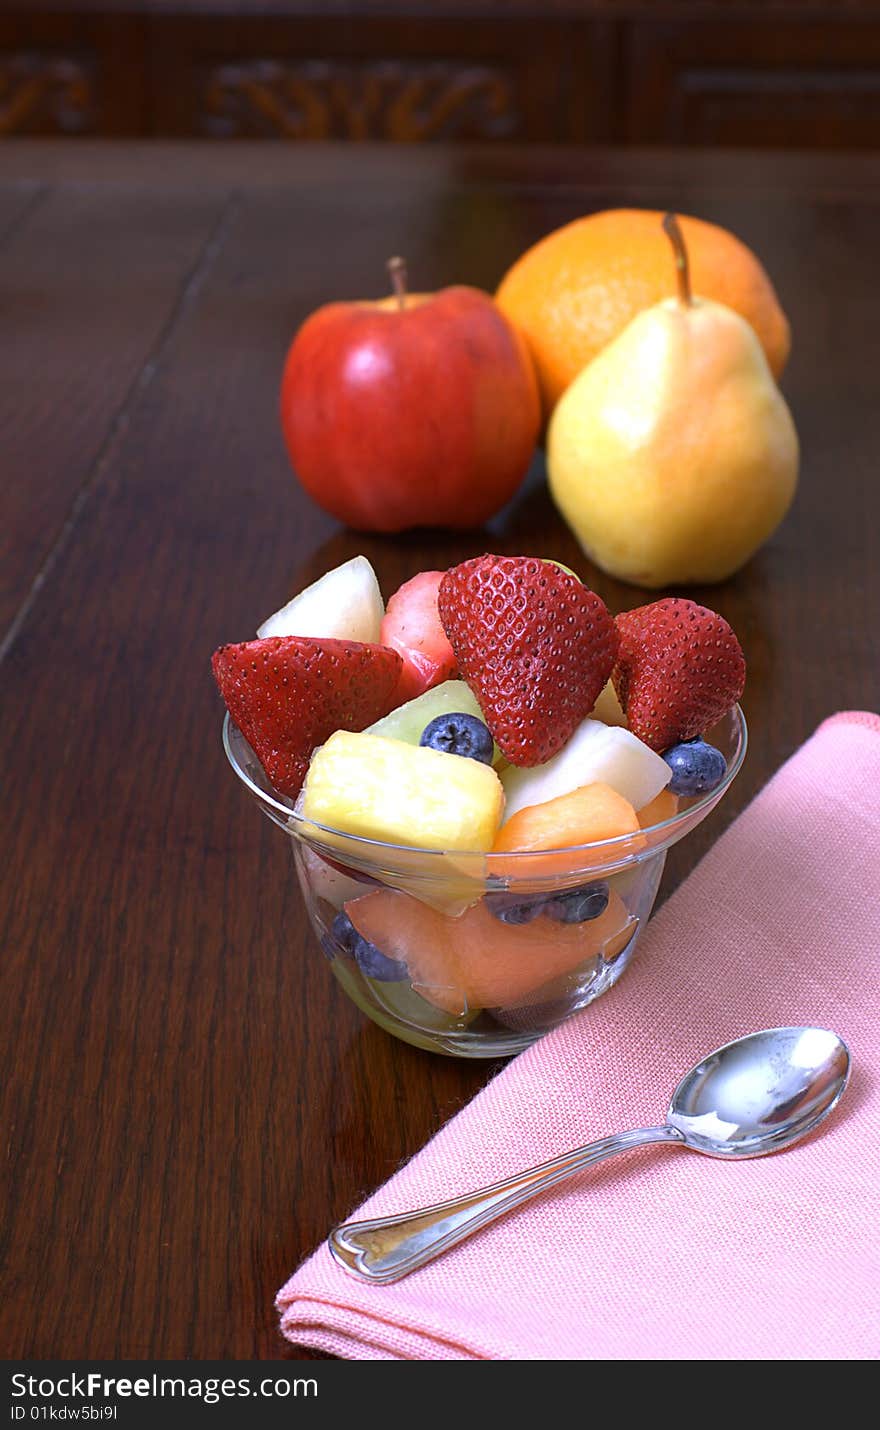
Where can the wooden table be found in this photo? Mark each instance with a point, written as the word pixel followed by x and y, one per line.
pixel 188 1100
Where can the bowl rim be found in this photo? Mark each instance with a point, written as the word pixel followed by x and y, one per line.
pixel 621 843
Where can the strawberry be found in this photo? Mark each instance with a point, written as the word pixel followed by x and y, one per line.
pixel 287 694
pixel 679 669
pixel 534 645
pixel 411 625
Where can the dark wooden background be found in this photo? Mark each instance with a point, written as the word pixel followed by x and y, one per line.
pixel 702 72
pixel 188 1101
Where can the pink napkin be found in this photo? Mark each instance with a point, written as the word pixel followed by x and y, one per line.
pixel 661 1253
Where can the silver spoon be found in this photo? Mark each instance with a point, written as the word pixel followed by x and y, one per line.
pixel 754 1096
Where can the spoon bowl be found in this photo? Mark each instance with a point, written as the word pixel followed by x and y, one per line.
pixel 752 1097
pixel 761 1093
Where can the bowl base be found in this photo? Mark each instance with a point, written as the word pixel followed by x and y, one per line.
pixel 486 1034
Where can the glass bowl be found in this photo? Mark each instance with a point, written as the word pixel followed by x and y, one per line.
pixel 477 955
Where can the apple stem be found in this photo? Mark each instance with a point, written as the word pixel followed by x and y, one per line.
pixel 397 274
pixel 672 229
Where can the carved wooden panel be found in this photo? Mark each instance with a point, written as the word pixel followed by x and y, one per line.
pixel 401 100
pixel 43 93
pixel 368 77
pixel 702 72
pixel 781 83
pixel 70 74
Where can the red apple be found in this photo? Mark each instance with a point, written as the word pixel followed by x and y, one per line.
pixel 415 410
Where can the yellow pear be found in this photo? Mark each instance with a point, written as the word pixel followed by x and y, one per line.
pixel 673 455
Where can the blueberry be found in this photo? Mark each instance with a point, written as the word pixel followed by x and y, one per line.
pixel 375 964
pixel 577 906
pixel 344 934
pixel 369 959
pixel 696 767
pixel 515 908
pixel 344 938
pixel 459 734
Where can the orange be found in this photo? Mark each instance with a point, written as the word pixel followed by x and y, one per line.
pixel 576 289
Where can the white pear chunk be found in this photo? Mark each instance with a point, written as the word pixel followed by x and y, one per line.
pixel 344 605
pixel 595 752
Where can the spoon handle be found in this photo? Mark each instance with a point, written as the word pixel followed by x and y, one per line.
pixel 388 1248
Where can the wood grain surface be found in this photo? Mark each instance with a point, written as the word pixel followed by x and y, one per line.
pixel 188 1100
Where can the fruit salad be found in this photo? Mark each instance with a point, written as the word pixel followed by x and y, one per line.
pixel 481 781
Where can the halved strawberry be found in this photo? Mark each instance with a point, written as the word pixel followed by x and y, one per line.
pixel 287 694
pixel 679 669
pixel 533 643
pixel 411 626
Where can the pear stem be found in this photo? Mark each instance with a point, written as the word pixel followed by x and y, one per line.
pixel 672 229
pixel 397 274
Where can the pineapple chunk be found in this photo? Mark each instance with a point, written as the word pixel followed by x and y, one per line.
pixel 403 794
pixel 607 707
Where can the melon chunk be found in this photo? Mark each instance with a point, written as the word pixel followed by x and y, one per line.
pixel 408 721
pixel 664 806
pixel 345 604
pixel 594 812
pixel 413 628
pixel 477 961
pixel 596 753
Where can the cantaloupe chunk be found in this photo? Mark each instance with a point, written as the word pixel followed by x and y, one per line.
pixel 596 753
pixel 594 812
pixel 476 961
pixel 663 806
